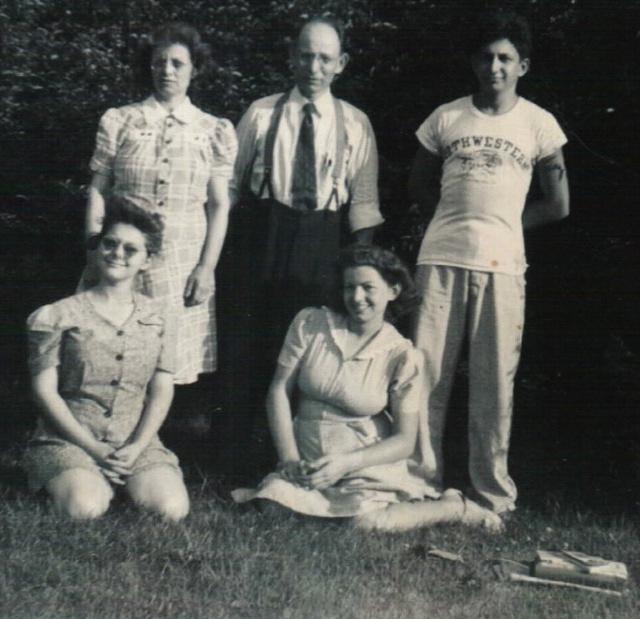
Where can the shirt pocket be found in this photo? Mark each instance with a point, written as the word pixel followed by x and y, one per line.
pixel 144 347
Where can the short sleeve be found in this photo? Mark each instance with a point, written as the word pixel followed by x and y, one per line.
pixel 428 133
pixel 549 135
pixel 224 148
pixel 167 358
pixel 298 337
pixel 106 142
pixel 406 386
pixel 44 337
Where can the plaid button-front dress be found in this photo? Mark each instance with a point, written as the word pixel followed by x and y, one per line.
pixel 163 161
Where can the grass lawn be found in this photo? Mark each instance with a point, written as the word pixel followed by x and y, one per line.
pixel 226 561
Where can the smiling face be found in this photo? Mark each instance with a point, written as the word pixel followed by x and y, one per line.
pixel 172 70
pixel 316 59
pixel 122 253
pixel 366 294
pixel 498 67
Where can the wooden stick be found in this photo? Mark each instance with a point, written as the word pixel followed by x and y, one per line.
pixel 560 583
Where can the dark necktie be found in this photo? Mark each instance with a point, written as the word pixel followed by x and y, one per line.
pixel 303 185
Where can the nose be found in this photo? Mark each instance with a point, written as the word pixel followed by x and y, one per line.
pixel 314 64
pixel 118 250
pixel 495 64
pixel 358 294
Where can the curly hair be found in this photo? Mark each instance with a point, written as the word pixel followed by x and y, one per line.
pixel 501 24
pixel 390 268
pixel 122 211
pixel 170 34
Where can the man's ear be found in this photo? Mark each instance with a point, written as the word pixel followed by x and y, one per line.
pixel 343 60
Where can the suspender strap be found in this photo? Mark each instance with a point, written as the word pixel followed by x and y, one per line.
pixel 341 145
pixel 269 142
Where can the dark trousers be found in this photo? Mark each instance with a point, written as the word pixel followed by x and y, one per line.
pixel 275 262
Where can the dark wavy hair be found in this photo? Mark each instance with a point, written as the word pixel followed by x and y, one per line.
pixel 391 269
pixel 501 24
pixel 119 210
pixel 170 34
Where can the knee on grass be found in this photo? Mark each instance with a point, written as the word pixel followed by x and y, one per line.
pixel 162 491
pixel 80 494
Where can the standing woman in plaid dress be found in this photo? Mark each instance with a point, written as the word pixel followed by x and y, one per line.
pixel 167 156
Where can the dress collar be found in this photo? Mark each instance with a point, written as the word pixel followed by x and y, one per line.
pixel 153 111
pixel 386 339
pixel 324 104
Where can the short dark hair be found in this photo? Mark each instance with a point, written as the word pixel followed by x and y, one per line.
pixel 119 210
pixel 501 24
pixel 170 34
pixel 328 20
pixel 391 269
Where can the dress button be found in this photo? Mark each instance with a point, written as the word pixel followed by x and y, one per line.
pixel 115 382
pixel 161 181
pixel 119 357
pixel 167 141
pixel 165 160
pixel 107 413
pixel 120 332
pixel 161 203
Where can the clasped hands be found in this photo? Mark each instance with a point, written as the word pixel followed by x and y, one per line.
pixel 318 474
pixel 117 464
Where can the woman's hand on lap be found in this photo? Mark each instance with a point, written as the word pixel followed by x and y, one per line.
pixel 126 456
pixel 328 470
pixel 201 284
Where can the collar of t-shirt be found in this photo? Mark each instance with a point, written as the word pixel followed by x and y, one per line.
pixel 153 111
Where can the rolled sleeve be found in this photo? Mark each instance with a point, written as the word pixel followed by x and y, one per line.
pixel 106 142
pixel 224 148
pixel 364 211
pixel 44 336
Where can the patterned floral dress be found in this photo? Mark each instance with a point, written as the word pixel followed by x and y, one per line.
pixel 103 373
pixel 344 404
pixel 163 162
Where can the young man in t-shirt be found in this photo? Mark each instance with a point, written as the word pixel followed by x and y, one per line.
pixel 471 263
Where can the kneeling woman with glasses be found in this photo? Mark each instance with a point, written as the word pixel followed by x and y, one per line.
pixel 102 364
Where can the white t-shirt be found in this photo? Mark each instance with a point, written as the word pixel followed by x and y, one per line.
pixel 487 169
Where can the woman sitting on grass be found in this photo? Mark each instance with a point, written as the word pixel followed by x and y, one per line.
pixel 355 382
pixel 102 365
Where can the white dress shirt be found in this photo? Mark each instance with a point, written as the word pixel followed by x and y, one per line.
pixel 358 180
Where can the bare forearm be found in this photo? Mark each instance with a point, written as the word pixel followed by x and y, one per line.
pixel 159 400
pixel 96 204
pixel 281 425
pixel 56 412
pixel 217 222
pixel 540 212
pixel 396 447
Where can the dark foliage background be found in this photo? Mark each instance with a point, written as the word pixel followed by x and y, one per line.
pixel 578 391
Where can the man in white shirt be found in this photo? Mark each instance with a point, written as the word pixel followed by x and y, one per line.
pixel 471 262
pixel 305 184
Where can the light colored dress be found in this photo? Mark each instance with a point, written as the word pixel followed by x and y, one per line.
pixel 344 404
pixel 163 163
pixel 103 373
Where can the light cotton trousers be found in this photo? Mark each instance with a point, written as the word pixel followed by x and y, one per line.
pixel 487 309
